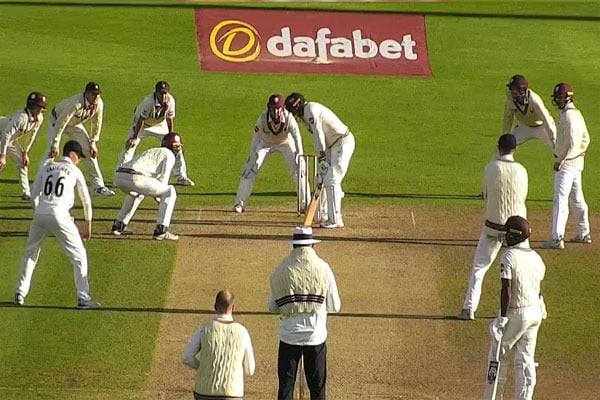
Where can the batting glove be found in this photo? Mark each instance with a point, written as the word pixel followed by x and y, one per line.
pixel 323 167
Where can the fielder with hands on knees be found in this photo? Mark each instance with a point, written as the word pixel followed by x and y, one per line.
pixel 53 196
pixel 334 144
pixel 276 131
pixel 572 143
pixel 148 175
pixel 505 185
pixel 522 309
pixel 221 352
pixel 68 117
pixel 533 120
pixel 155 116
pixel 303 291
pixel 22 126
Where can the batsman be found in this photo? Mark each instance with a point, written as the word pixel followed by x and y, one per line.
pixel 521 312
pixel 334 144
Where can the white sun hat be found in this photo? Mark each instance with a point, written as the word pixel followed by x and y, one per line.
pixel 303 235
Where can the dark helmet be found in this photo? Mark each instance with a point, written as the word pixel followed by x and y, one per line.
pixel 275 106
pixel 170 140
pixel 517 230
pixel 294 103
pixel 518 86
pixel 36 99
pixel 93 87
pixel 162 86
pixel 562 94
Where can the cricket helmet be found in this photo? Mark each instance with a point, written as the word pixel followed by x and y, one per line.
pixel 294 103
pixel 562 94
pixel 517 230
pixel 36 99
pixel 172 141
pixel 162 86
pixel 275 106
pixel 518 86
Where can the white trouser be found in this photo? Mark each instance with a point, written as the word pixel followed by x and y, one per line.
pixel 14 152
pixel 523 133
pixel 80 135
pixel 519 334
pixel 259 152
pixel 338 156
pixel 137 187
pixel 485 254
pixel 568 191
pixel 158 132
pixel 67 234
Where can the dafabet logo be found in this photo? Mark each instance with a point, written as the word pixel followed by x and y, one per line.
pixel 312 42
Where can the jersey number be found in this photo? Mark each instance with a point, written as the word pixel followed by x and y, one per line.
pixel 50 186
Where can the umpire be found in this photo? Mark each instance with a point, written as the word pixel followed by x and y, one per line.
pixel 303 291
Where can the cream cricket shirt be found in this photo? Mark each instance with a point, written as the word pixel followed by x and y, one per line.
pixel 278 134
pixel 573 138
pixel 526 270
pixel 324 125
pixel 532 114
pixel 75 111
pixel 157 163
pixel 505 186
pixel 153 112
pixel 53 190
pixel 21 128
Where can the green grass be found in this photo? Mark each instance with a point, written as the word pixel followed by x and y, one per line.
pixel 428 136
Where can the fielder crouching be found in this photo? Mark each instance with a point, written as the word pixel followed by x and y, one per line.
pixel 521 312
pixel 148 175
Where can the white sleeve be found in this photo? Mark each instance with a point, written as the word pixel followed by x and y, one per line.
pixel 506 265
pixel 12 128
pixel 333 301
pixel 36 188
pixel 84 195
pixel 294 131
pixel 547 119
pixel 192 348
pixel 249 363
pixel 272 305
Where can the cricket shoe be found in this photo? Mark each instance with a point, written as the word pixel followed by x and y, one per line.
pixel 103 191
pixel 87 304
pixel 466 315
pixel 165 236
pixel 120 229
pixel 238 208
pixel 587 239
pixel 555 244
pixel 19 299
pixel 332 224
pixel 185 182
pixel 26 197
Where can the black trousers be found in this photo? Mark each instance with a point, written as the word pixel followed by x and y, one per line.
pixel 315 369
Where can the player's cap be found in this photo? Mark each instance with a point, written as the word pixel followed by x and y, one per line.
pixel 303 236
pixel 517 82
pixel 507 142
pixel 275 101
pixel 162 86
pixel 36 99
pixel 93 87
pixel 73 146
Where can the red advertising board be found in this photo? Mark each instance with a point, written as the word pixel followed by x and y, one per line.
pixel 288 41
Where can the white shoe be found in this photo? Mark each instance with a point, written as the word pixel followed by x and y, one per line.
pixel 103 191
pixel 238 208
pixel 466 315
pixel 166 236
pixel 19 299
pixel 587 239
pixel 185 182
pixel 87 304
pixel 556 244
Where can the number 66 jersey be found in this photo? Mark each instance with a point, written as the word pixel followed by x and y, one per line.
pixel 53 191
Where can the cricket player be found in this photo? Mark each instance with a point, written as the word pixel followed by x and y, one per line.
pixel 505 185
pixel 148 175
pixel 221 352
pixel 572 143
pixel 533 121
pixel 522 309
pixel 334 144
pixel 155 117
pixel 276 131
pixel 17 135
pixel 53 195
pixel 68 117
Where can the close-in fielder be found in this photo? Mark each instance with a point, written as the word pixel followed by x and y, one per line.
pixel 533 121
pixel 521 312
pixel 572 142
pixel 505 185
pixel 155 116
pixel 68 117
pixel 148 175
pixel 17 135
pixel 276 131
pixel 53 195
pixel 334 144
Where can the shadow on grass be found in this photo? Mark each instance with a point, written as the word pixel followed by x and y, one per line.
pixel 160 310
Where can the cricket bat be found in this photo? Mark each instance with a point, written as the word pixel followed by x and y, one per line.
pixel 312 207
